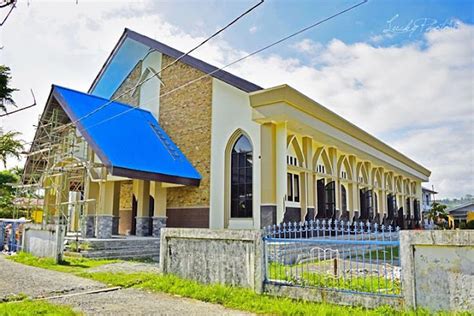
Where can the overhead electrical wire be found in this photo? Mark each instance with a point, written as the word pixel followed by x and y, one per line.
pixel 238 60
pixel 169 65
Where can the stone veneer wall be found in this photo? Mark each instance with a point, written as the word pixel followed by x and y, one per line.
pixel 126 193
pixel 185 115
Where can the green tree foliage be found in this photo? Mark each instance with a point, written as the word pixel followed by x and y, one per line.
pixel 10 146
pixel 438 214
pixel 5 89
pixel 7 193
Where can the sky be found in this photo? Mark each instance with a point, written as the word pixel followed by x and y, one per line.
pixel 401 70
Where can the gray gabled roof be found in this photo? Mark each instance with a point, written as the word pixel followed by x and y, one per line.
pixel 225 76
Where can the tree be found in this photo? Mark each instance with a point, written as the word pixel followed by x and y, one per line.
pixel 10 146
pixel 438 214
pixel 5 89
pixel 7 193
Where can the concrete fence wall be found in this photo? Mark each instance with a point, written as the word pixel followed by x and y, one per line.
pixel 44 241
pixel 438 269
pixel 233 257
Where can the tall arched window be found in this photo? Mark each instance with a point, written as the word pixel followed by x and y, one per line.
pixel 343 198
pixel 241 178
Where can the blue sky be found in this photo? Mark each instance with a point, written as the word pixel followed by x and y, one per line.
pixel 382 23
pixel 276 18
pixel 401 70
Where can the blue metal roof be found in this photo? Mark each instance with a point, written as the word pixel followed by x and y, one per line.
pixel 131 144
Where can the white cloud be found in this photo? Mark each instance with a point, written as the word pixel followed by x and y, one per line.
pixel 418 96
pixel 253 29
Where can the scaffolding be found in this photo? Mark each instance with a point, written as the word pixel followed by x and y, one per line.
pixel 58 167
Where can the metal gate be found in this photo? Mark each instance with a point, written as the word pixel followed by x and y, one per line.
pixel 335 255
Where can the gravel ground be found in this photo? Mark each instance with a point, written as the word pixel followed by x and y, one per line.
pixel 16 278
pixel 136 302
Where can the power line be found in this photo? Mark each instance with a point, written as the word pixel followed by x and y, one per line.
pixel 169 65
pixel 13 6
pixel 23 108
pixel 240 59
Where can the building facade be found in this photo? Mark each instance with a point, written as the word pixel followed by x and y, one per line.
pixel 261 156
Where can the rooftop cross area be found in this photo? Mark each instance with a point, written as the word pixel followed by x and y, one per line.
pixel 132 144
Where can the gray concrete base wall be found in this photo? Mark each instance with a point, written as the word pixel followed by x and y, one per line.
pixel 232 257
pixel 43 241
pixel 333 297
pixel 438 269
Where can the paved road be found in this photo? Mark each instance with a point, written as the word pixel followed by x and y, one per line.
pixel 16 278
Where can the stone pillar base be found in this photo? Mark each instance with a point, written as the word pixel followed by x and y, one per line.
pixel 158 223
pixel 267 215
pixel 310 213
pixel 88 226
pixel 115 225
pixel 104 226
pixel 143 226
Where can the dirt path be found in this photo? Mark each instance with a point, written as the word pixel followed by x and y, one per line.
pixel 34 282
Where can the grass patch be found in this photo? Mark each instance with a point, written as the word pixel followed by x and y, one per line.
pixel 389 253
pixel 35 308
pixel 69 264
pixel 299 275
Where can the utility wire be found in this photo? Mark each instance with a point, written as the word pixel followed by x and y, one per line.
pixel 23 108
pixel 171 64
pixel 240 59
pixel 13 6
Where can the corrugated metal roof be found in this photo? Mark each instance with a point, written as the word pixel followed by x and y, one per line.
pixel 132 144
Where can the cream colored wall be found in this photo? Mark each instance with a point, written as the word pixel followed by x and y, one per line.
pixel 231 111
pixel 333 136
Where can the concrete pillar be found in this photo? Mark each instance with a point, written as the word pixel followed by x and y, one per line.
pixel 62 199
pixel 280 169
pixel 355 206
pixel 91 190
pixel 49 201
pixel 143 207
pixel 383 196
pixel 159 210
pixel 309 179
pixel 116 208
pixel 268 208
pixel 105 209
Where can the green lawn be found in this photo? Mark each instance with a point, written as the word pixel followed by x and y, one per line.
pixel 34 308
pixel 231 297
pixel 389 253
pixel 69 264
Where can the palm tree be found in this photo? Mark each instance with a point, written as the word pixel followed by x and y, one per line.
pixel 5 90
pixel 10 146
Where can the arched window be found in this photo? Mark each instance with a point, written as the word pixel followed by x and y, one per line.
pixel 343 198
pixel 241 178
